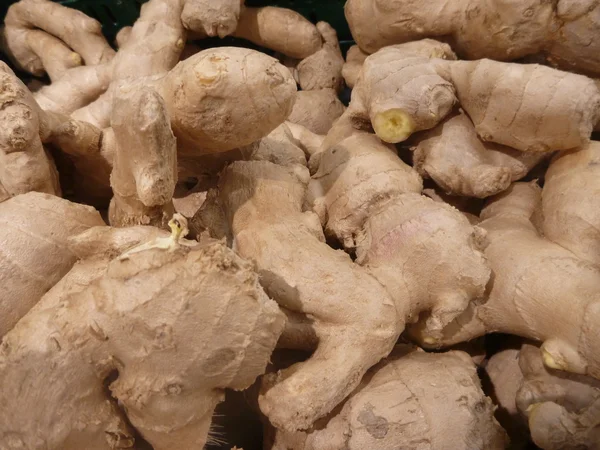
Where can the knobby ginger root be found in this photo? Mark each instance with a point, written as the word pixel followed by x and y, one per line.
pixel 279 29
pixel 322 69
pixel 317 110
pixel 67 36
pixel 212 18
pixel 563 411
pixel 355 58
pixel 35 228
pixel 24 164
pixel 569 202
pixel 370 201
pixel 354 318
pixel 561 308
pixel 397 405
pixel 168 375
pixel 498 29
pixel 508 103
pixel 144 171
pixel 460 163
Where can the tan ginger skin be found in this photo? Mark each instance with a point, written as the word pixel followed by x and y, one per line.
pixel 569 218
pixel 563 30
pixel 144 171
pixel 317 110
pixel 461 164
pixel 33 236
pixel 508 103
pixel 561 410
pixel 376 211
pixel 152 318
pixel 517 255
pixel 397 405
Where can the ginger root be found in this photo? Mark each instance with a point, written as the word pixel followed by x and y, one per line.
pixel 560 309
pixel 150 326
pixel 397 405
pixel 34 232
pixel 461 164
pixel 317 110
pixel 504 30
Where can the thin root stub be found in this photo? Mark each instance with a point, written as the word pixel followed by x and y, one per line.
pixel 179 229
pixel 393 126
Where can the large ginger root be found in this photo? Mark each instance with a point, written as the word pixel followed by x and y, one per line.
pixel 569 218
pixel 168 375
pixel 370 201
pixel 560 308
pixel 508 103
pixel 397 405
pixel 460 163
pixel 322 69
pixel 35 228
pixel 144 171
pixel 24 164
pixel 563 411
pixel 317 110
pixel 497 29
pixel 44 36
pixel 354 318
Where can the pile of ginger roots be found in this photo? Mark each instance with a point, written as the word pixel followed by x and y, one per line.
pixel 418 269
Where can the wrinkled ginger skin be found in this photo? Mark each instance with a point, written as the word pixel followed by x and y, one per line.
pixel 317 110
pixel 563 410
pixel 561 309
pixel 397 406
pixel 355 321
pixel 171 372
pixel 505 30
pixel 145 163
pixel 272 27
pixel 370 201
pixel 212 18
pixel 461 164
pixel 24 164
pixel 67 29
pixel 33 237
pixel 225 98
pixel 571 219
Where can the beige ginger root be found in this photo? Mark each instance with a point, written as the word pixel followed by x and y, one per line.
pixel 317 110
pixel 508 103
pixel 563 411
pixel 370 201
pixel 24 164
pixel 560 309
pixel 504 30
pixel 355 58
pixel 151 326
pixel 144 171
pixel 569 202
pixel 397 405
pixel 461 164
pixel 42 35
pixel 354 318
pixel 35 228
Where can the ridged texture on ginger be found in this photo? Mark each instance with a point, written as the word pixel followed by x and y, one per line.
pixel 570 197
pixel 152 327
pixel 144 171
pixel 397 405
pixel 352 314
pixel 461 164
pixel 562 410
pixel 541 290
pixel 369 200
pixel 504 30
pixel 24 164
pixel 34 253
pixel 317 110
pixel 212 18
